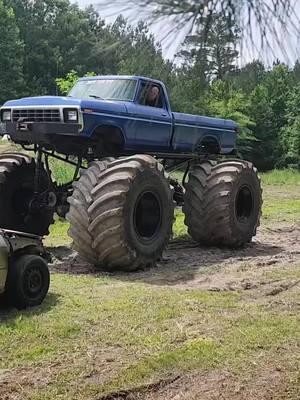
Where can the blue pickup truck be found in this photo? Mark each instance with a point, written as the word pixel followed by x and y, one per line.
pixel 122 138
pixel 111 114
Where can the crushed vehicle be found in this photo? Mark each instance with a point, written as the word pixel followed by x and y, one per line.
pixel 24 273
pixel 123 139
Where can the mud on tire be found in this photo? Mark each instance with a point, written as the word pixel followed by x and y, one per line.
pixel 223 203
pixel 131 214
pixel 17 172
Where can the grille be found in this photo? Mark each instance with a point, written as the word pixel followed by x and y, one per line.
pixel 37 115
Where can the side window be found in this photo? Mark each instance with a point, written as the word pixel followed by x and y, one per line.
pixel 151 94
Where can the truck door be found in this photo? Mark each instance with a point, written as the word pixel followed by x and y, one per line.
pixel 151 120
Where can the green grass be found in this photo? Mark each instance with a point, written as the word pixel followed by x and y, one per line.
pixel 276 177
pixel 117 314
pixel 179 227
pixel 275 210
pixel 62 172
pixel 281 204
pixel 145 331
pixel 281 196
pixel 285 177
pixel 58 234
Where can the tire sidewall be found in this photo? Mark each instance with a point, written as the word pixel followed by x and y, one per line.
pixel 245 230
pixel 210 203
pixel 23 178
pixel 148 181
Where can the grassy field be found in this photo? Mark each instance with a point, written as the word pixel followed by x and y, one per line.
pixel 95 335
pixel 281 196
pixel 100 336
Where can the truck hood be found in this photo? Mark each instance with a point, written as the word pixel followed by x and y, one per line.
pixel 43 101
pixel 47 101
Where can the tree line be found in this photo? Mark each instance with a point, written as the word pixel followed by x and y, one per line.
pixel 44 40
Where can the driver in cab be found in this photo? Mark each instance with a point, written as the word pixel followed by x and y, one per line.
pixel 153 95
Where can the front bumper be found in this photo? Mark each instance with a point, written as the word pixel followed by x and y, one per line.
pixel 39 132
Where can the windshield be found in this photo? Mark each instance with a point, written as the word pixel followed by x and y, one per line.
pixel 105 89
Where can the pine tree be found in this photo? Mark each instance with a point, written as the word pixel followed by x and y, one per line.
pixel 214 49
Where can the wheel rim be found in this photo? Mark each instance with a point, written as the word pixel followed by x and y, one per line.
pixel 147 215
pixel 244 204
pixel 33 282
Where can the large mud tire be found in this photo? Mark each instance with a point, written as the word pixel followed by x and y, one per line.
pixel 223 203
pixel 77 216
pixel 132 214
pixel 17 172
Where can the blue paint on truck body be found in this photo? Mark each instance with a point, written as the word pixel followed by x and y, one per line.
pixel 143 128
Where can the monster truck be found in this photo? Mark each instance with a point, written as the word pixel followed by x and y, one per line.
pixel 121 136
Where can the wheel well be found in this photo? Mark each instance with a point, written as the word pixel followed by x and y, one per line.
pixel 108 138
pixel 208 145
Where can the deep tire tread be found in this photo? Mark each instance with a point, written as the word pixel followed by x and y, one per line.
pixel 208 203
pixel 78 216
pixel 107 214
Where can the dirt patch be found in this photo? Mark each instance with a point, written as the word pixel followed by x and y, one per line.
pixel 264 384
pixel 188 266
pixel 265 377
pixel 103 365
pixel 141 391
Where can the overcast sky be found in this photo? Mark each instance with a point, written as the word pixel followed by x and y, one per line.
pixel 288 50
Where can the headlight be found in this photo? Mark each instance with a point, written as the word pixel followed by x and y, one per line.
pixel 71 115
pixel 5 115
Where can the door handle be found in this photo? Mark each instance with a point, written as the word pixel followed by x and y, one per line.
pixel 164 114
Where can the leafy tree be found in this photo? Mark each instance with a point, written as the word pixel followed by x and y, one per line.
pixel 11 55
pixel 188 91
pixel 296 72
pixel 249 76
pixel 268 105
pixel 58 37
pixel 65 84
pixel 139 53
pixel 290 134
pixel 68 82
pixel 44 40
pixel 224 102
